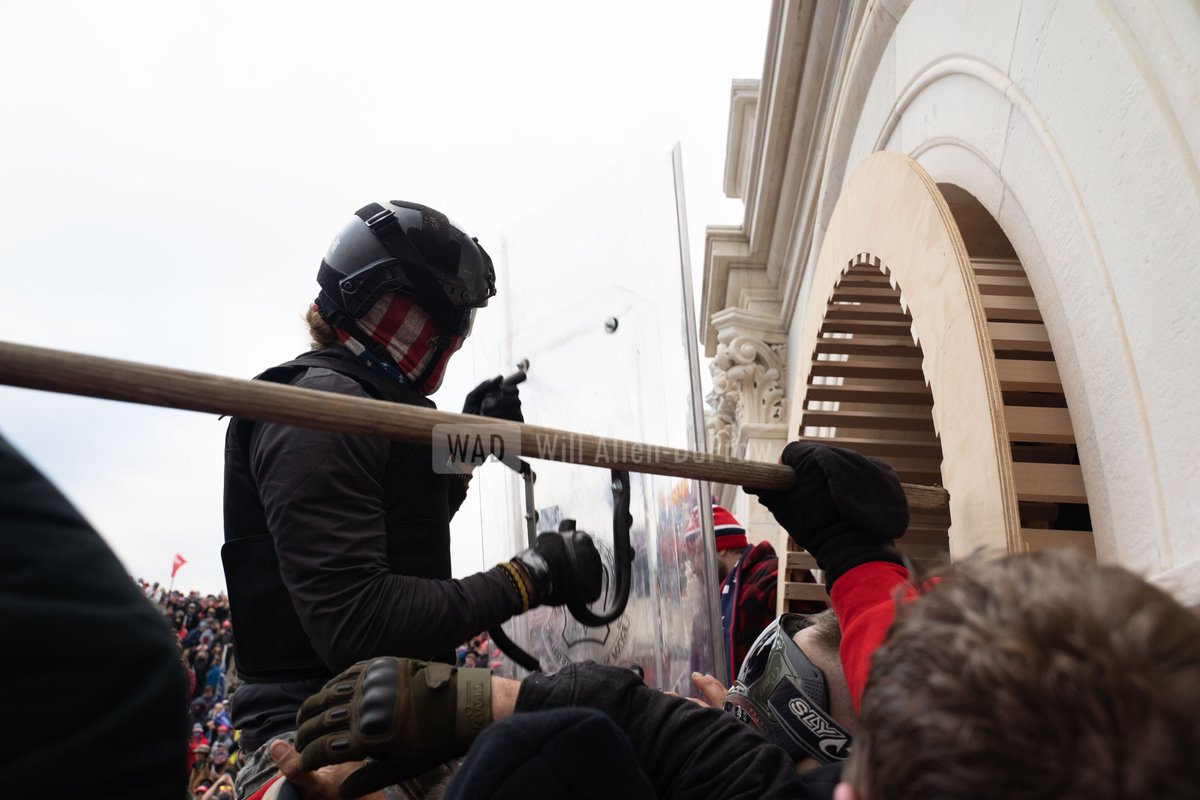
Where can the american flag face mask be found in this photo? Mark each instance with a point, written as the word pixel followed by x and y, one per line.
pixel 397 336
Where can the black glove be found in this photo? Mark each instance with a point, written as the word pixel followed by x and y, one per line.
pixel 408 716
pixel 496 399
pixel 563 568
pixel 845 508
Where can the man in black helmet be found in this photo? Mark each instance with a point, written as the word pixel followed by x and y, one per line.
pixel 337 547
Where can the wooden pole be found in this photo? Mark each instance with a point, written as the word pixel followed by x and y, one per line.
pixel 113 379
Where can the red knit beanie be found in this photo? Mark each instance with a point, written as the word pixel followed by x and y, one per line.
pixel 729 532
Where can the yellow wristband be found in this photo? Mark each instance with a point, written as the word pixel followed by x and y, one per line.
pixel 518 583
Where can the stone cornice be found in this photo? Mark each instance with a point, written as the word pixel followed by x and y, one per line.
pixel 728 269
pixel 781 170
pixel 739 143
pixel 738 322
pixel 762 430
pixel 788 43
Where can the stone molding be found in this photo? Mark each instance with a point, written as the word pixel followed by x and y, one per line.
pixel 749 375
pixel 739 149
pixel 774 160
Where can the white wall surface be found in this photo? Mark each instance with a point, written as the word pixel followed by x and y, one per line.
pixel 1077 125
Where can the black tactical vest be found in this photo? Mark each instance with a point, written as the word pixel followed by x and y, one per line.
pixel 271 644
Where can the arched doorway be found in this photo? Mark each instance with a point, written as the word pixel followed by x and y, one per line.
pixel 926 349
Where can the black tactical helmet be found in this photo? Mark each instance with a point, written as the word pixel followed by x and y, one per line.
pixel 782 693
pixel 410 249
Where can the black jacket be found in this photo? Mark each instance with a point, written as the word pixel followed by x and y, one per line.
pixel 338 549
pixel 684 750
pixel 87 726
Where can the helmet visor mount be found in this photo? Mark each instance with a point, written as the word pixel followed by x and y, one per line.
pixel 780 691
pixel 468 324
pixel 361 290
pixel 412 250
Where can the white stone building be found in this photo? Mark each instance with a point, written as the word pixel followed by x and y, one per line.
pixel 970 246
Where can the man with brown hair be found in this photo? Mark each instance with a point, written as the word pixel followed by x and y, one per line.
pixel 1033 676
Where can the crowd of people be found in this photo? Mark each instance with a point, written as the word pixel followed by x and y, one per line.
pixel 204 628
pixel 479 652
pixel 205 632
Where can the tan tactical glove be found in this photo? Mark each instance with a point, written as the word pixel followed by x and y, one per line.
pixel 407 716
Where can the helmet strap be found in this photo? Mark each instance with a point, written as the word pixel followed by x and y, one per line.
pixel 383 223
pixel 440 344
pixel 807 729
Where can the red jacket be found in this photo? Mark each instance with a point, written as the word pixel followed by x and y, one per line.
pixel 865 601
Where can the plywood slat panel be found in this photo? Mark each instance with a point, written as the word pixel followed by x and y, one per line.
pixel 1017 375
pixel 1043 452
pixel 869 420
pixel 1034 424
pixel 866 269
pixel 869 394
pixel 1035 399
pixel 883 448
pixel 992 285
pixel 864 281
pixel 873 327
pixel 1019 336
pixel 902 333
pixel 866 295
pixel 874 346
pixel 986 272
pixel 927 470
pixel 866 367
pixel 793 590
pixel 1037 539
pixel 928 538
pixel 930 467
pixel 799 560
pixel 1004 307
pixel 879 311
pixel 1009 279
pixel 1052 483
pixel 1003 265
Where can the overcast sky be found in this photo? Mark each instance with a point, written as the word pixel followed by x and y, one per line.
pixel 171 173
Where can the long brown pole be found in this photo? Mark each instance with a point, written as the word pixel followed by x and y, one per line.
pixel 113 379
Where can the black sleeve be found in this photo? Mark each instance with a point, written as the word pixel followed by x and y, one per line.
pixel 93 671
pixel 323 498
pixel 458 492
pixel 686 751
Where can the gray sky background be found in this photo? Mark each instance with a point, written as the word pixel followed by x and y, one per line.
pixel 171 173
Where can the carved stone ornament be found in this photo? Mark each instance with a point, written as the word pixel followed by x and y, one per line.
pixel 747 389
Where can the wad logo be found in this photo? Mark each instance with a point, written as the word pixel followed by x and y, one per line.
pixel 457 449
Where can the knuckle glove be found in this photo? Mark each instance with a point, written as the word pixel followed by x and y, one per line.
pixel 473 402
pixel 504 402
pixel 564 568
pixel 406 715
pixel 845 509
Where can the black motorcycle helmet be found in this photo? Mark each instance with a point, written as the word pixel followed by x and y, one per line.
pixel 409 249
pixel 782 693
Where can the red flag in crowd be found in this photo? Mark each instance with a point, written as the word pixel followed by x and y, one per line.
pixel 176 564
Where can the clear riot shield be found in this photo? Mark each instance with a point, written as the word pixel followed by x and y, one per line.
pixel 596 289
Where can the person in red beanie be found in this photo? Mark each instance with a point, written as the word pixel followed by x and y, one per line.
pixel 749 587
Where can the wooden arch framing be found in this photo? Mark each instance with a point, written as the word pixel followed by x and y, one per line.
pixel 984 361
